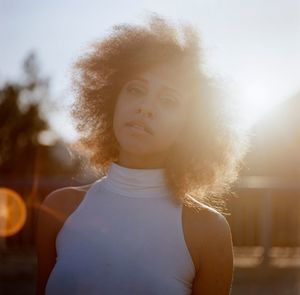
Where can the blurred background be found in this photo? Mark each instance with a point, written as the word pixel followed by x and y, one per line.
pixel 252 48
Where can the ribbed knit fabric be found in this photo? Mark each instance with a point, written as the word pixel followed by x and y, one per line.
pixel 125 237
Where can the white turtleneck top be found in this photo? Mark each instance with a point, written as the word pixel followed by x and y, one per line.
pixel 125 237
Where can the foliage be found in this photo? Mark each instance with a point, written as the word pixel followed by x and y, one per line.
pixel 20 120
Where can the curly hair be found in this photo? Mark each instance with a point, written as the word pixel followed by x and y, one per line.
pixel 203 166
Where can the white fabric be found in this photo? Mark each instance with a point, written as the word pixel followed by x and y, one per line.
pixel 125 237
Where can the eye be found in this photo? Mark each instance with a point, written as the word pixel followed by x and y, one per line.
pixel 169 100
pixel 135 90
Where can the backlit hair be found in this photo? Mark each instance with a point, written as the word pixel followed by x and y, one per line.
pixel 206 162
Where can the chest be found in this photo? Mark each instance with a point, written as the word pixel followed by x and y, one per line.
pixel 128 249
pixel 190 235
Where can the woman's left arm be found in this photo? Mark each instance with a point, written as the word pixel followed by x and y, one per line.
pixel 215 273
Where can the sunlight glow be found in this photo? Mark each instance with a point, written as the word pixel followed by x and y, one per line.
pixel 12 212
pixel 253 110
pixel 256 103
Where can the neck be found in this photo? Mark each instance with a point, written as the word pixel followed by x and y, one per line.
pixel 141 162
pixel 139 183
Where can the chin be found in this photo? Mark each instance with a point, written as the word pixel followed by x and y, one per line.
pixel 134 145
pixel 137 150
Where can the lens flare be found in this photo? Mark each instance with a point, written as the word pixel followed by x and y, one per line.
pixel 12 212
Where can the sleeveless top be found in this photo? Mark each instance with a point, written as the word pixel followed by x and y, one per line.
pixel 125 237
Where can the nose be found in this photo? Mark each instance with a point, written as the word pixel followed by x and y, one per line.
pixel 146 109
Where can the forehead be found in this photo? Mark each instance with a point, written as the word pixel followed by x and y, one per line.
pixel 162 75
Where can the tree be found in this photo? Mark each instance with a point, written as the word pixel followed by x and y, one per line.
pixel 21 121
pixel 26 164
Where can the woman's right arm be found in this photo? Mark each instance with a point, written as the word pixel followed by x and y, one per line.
pixel 50 220
pixel 53 212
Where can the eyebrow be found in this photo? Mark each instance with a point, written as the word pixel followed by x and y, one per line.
pixel 138 78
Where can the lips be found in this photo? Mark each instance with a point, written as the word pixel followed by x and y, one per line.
pixel 140 124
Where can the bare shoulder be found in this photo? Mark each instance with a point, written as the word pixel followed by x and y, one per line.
pixel 211 230
pixel 53 212
pixel 213 243
pixel 69 191
pixel 208 220
pixel 57 206
pixel 65 199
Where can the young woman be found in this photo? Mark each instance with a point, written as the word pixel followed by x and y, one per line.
pixel 151 121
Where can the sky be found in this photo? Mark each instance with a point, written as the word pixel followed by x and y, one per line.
pixel 253 47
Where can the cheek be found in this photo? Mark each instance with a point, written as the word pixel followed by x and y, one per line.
pixel 122 110
pixel 171 128
pixel 117 120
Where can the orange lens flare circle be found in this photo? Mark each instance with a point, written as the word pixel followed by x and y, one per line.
pixel 12 212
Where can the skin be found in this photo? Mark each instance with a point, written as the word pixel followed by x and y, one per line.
pixel 149 97
pixel 156 98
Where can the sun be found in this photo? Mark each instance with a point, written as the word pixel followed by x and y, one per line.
pixel 252 110
pixel 254 103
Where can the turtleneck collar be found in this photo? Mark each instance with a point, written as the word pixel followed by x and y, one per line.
pixel 137 183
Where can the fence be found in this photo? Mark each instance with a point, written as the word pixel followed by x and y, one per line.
pixel 266 214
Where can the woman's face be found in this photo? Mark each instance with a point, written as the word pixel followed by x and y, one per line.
pixel 149 116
